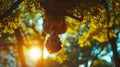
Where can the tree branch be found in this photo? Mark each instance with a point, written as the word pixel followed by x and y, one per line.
pixel 74 17
pixel 20 44
pixel 8 12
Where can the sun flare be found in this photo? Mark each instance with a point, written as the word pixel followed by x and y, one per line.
pixel 46 54
pixel 35 53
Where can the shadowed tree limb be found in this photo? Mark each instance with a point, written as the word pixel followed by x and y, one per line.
pixel 8 12
pixel 113 39
pixel 74 17
pixel 20 43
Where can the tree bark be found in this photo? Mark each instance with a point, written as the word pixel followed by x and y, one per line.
pixel 113 39
pixel 20 44
pixel 115 52
pixel 40 62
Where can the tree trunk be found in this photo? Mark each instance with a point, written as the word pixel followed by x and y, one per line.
pixel 115 53
pixel 20 44
pixel 40 62
pixel 113 39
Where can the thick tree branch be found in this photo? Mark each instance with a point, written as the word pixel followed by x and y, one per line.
pixel 20 43
pixel 113 39
pixel 8 12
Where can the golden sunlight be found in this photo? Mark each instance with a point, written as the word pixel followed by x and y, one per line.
pixel 46 54
pixel 35 53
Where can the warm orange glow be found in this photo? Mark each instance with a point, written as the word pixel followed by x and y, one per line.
pixel 35 53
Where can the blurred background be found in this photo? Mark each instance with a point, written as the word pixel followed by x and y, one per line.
pixel 92 37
